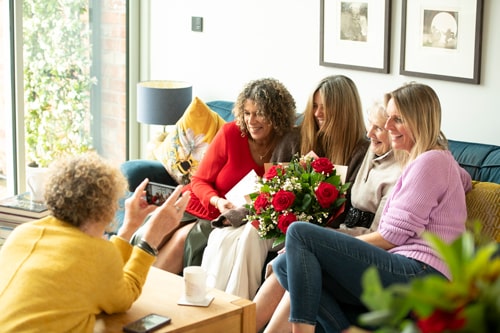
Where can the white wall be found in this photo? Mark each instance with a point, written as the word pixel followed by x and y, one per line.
pixel 245 40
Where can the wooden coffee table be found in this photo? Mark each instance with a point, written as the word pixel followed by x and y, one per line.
pixel 226 313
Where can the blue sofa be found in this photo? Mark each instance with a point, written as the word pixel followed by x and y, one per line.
pixel 482 161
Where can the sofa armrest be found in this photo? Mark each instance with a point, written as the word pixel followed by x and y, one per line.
pixel 137 170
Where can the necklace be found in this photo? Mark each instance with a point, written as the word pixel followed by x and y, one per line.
pixel 267 150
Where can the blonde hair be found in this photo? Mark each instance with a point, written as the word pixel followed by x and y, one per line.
pixel 344 125
pixel 84 188
pixel 274 102
pixel 421 113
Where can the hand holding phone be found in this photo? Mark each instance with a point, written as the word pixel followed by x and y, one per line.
pixel 146 324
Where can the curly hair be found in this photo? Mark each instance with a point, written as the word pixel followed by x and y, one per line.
pixel 273 101
pixel 84 188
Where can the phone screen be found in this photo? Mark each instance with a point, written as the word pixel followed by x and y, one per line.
pixel 146 324
pixel 156 193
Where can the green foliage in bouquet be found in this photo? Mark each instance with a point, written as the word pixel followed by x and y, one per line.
pixel 470 302
pixel 306 189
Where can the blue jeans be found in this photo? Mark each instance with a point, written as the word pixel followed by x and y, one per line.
pixel 322 270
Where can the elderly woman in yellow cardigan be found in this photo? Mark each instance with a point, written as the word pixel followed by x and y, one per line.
pixel 57 273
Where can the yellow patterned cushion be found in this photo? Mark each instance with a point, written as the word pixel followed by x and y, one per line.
pixel 483 204
pixel 185 146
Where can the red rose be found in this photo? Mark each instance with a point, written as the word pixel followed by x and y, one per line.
pixel 440 321
pixel 285 220
pixel 261 202
pixel 326 194
pixel 273 171
pixel 283 200
pixel 322 165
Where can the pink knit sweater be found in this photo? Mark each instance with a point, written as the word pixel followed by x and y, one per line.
pixel 429 196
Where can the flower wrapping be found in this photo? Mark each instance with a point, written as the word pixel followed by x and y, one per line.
pixel 307 189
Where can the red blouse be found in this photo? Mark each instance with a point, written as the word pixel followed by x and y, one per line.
pixel 227 160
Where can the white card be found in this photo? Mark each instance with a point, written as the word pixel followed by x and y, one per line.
pixel 239 193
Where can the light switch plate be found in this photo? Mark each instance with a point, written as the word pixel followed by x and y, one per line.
pixel 196 23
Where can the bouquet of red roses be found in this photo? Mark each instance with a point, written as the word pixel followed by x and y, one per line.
pixel 307 189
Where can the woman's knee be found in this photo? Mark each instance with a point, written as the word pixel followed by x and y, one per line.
pixel 279 269
pixel 179 237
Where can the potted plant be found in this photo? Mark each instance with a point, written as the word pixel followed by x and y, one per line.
pixel 470 302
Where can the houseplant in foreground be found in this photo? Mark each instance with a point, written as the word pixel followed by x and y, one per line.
pixel 470 302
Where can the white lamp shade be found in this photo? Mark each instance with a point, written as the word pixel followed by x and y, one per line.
pixel 162 102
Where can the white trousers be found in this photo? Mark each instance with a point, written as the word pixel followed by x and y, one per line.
pixel 234 258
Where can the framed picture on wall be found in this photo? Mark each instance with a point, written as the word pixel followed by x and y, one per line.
pixel 355 34
pixel 441 39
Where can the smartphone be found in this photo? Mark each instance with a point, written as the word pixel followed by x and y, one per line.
pixel 146 324
pixel 157 193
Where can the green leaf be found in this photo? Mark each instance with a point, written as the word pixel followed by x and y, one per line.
pixel 375 318
pixel 279 240
pixel 451 254
pixel 374 296
pixel 482 258
pixel 334 180
pixel 306 202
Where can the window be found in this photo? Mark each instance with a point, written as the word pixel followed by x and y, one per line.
pixel 74 82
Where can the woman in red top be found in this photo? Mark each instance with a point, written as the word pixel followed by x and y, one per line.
pixel 262 132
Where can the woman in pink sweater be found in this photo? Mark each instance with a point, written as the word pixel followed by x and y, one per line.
pixel 322 269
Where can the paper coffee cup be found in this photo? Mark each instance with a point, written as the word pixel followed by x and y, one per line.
pixel 195 284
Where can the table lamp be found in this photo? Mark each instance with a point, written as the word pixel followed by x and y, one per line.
pixel 162 102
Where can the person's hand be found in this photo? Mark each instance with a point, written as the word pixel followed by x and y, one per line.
pixel 167 217
pixel 136 210
pixel 223 205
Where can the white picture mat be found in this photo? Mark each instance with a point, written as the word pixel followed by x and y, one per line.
pixel 354 53
pixel 457 62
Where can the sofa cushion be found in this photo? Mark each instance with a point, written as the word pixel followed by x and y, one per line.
pixel 483 205
pixel 490 170
pixel 482 161
pixel 223 109
pixel 185 146
pixel 137 170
